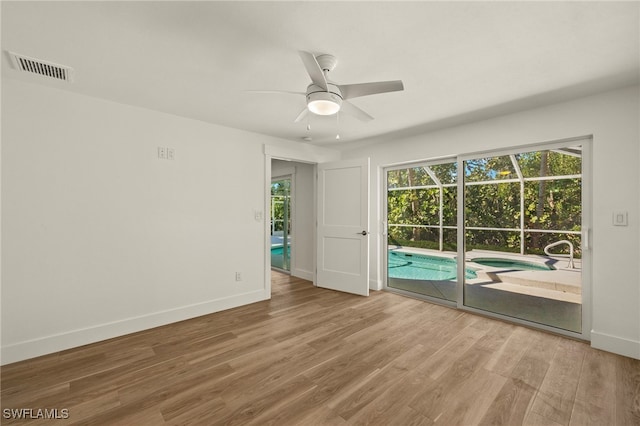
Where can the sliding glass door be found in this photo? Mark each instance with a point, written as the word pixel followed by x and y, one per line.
pixel 281 223
pixel 523 226
pixel 520 251
pixel 421 219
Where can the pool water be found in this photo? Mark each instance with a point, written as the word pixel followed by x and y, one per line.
pixel 424 267
pixel 279 251
pixel 277 258
pixel 519 265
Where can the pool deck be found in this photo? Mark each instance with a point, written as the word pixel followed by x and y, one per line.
pixel 562 284
pixel 278 240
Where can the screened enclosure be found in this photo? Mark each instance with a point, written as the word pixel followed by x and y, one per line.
pixel 281 224
pixel 521 253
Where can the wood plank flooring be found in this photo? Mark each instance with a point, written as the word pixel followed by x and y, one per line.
pixel 311 356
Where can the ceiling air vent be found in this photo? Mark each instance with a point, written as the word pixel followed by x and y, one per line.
pixel 40 67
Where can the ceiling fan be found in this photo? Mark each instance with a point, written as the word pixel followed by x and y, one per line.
pixel 325 97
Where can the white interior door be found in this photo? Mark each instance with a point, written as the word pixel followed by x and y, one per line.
pixel 343 226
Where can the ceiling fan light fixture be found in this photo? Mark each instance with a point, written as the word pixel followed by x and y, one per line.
pixel 323 107
pixel 323 103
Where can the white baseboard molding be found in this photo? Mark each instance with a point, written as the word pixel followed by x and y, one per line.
pixel 615 344
pixel 375 284
pixel 74 338
pixel 301 273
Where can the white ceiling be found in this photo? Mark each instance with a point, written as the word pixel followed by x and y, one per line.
pixel 459 61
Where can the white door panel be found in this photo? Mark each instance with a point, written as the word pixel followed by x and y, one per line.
pixel 343 216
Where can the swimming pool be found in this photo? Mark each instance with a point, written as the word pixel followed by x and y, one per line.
pixel 277 256
pixel 424 267
pixel 519 265
pixel 279 251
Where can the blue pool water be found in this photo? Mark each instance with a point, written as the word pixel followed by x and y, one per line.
pixel 279 251
pixel 424 267
pixel 277 258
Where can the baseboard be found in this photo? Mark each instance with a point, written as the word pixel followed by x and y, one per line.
pixel 615 344
pixel 301 273
pixel 74 338
pixel 375 284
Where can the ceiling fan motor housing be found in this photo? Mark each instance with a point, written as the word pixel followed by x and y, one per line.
pixel 324 102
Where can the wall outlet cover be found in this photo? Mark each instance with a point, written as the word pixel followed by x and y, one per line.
pixel 620 218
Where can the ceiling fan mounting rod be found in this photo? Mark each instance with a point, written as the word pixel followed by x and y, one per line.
pixel 327 62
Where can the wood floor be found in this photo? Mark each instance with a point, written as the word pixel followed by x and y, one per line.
pixel 312 356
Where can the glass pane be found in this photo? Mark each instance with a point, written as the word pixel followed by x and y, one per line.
pixel 488 169
pixel 514 275
pixel 450 206
pixel 281 224
pixel 550 163
pixel 422 252
pixel 446 173
pixel 493 205
pixel 404 178
pixel 553 204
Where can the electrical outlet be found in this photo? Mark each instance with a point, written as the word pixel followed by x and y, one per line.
pixel 238 276
pixel 171 154
pixel 162 152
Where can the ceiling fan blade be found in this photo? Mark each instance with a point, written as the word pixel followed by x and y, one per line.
pixel 351 109
pixel 302 115
pixel 313 69
pixel 350 91
pixel 276 91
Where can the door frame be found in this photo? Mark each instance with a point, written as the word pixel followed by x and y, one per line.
pixel 587 224
pixel 290 174
pixel 384 253
pixel 303 155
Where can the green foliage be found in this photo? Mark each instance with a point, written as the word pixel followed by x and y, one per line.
pixel 279 198
pixel 548 204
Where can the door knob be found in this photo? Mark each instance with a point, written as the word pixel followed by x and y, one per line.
pixel 364 232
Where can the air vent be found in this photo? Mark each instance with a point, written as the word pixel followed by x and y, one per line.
pixel 40 67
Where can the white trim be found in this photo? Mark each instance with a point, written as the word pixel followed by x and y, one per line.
pixel 305 154
pixel 301 273
pixel 559 143
pixel 267 221
pixel 443 159
pixel 615 344
pixel 375 284
pixel 71 339
pixel 279 153
pixel 587 224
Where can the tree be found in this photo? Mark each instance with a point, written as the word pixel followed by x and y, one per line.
pixel 492 200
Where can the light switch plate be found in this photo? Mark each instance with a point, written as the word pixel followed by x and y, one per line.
pixel 620 218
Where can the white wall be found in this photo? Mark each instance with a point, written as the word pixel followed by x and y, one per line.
pixel 613 120
pixel 101 238
pixel 303 216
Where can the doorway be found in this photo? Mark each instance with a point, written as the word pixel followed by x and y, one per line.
pixel 280 218
pixel 307 252
pixel 290 213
